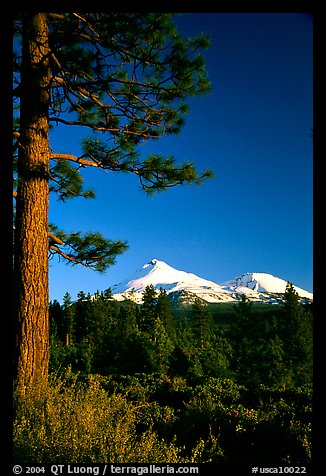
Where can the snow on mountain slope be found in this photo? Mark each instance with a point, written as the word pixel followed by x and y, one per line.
pixel 261 283
pixel 256 286
pixel 161 275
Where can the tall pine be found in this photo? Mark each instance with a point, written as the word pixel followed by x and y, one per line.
pixel 164 312
pixel 148 314
pixel 68 318
pixel 202 324
pixel 297 337
pixel 31 293
pixel 123 78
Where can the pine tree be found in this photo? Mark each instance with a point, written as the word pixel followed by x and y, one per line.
pixel 162 347
pixel 56 319
pixel 68 317
pixel 31 298
pixel 297 337
pixel 273 364
pixel 148 314
pixel 124 77
pixel 83 317
pixel 164 312
pixel 128 319
pixel 202 324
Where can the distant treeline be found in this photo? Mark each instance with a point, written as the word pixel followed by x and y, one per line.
pixel 153 384
pixel 249 343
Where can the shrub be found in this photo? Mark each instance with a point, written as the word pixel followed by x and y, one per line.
pixel 285 424
pixel 79 422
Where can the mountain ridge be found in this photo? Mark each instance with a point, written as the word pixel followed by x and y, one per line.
pixel 256 286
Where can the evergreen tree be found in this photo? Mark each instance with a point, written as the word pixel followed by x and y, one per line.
pixel 297 337
pixel 68 318
pixel 107 294
pixel 217 357
pixel 274 346
pixel 128 318
pixel 273 359
pixel 124 77
pixel 257 354
pixel 31 228
pixel 202 324
pixel 164 312
pixel 185 346
pixel 148 314
pixel 84 320
pixel 161 348
pixel 243 310
pixel 56 319
pixel 201 339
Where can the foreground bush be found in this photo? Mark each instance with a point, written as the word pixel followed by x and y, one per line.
pixel 271 426
pixel 78 422
pixel 153 419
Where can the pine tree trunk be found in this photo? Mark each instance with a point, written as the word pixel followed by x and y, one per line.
pixel 31 229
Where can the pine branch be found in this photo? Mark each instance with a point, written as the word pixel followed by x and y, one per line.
pixel 91 250
pixel 55 238
pixel 73 158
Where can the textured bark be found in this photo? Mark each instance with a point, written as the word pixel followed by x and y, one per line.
pixel 31 232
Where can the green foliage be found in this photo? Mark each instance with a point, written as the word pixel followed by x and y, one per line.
pixel 90 249
pixel 155 418
pixel 273 347
pixel 202 324
pixel 148 313
pixel 296 333
pixel 284 427
pixel 67 182
pixel 276 430
pixel 78 422
pixel 124 78
pixel 164 312
pixel 270 346
pixel 211 392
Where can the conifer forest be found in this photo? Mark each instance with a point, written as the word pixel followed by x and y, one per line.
pixel 158 382
pixel 98 380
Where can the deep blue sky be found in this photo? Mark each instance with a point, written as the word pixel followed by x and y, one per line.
pixel 254 131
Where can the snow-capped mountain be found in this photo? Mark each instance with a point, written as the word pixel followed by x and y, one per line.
pixel 256 284
pixel 261 287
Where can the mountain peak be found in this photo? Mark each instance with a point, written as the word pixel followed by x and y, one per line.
pixel 256 286
pixel 161 275
pixel 262 283
pixel 154 262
